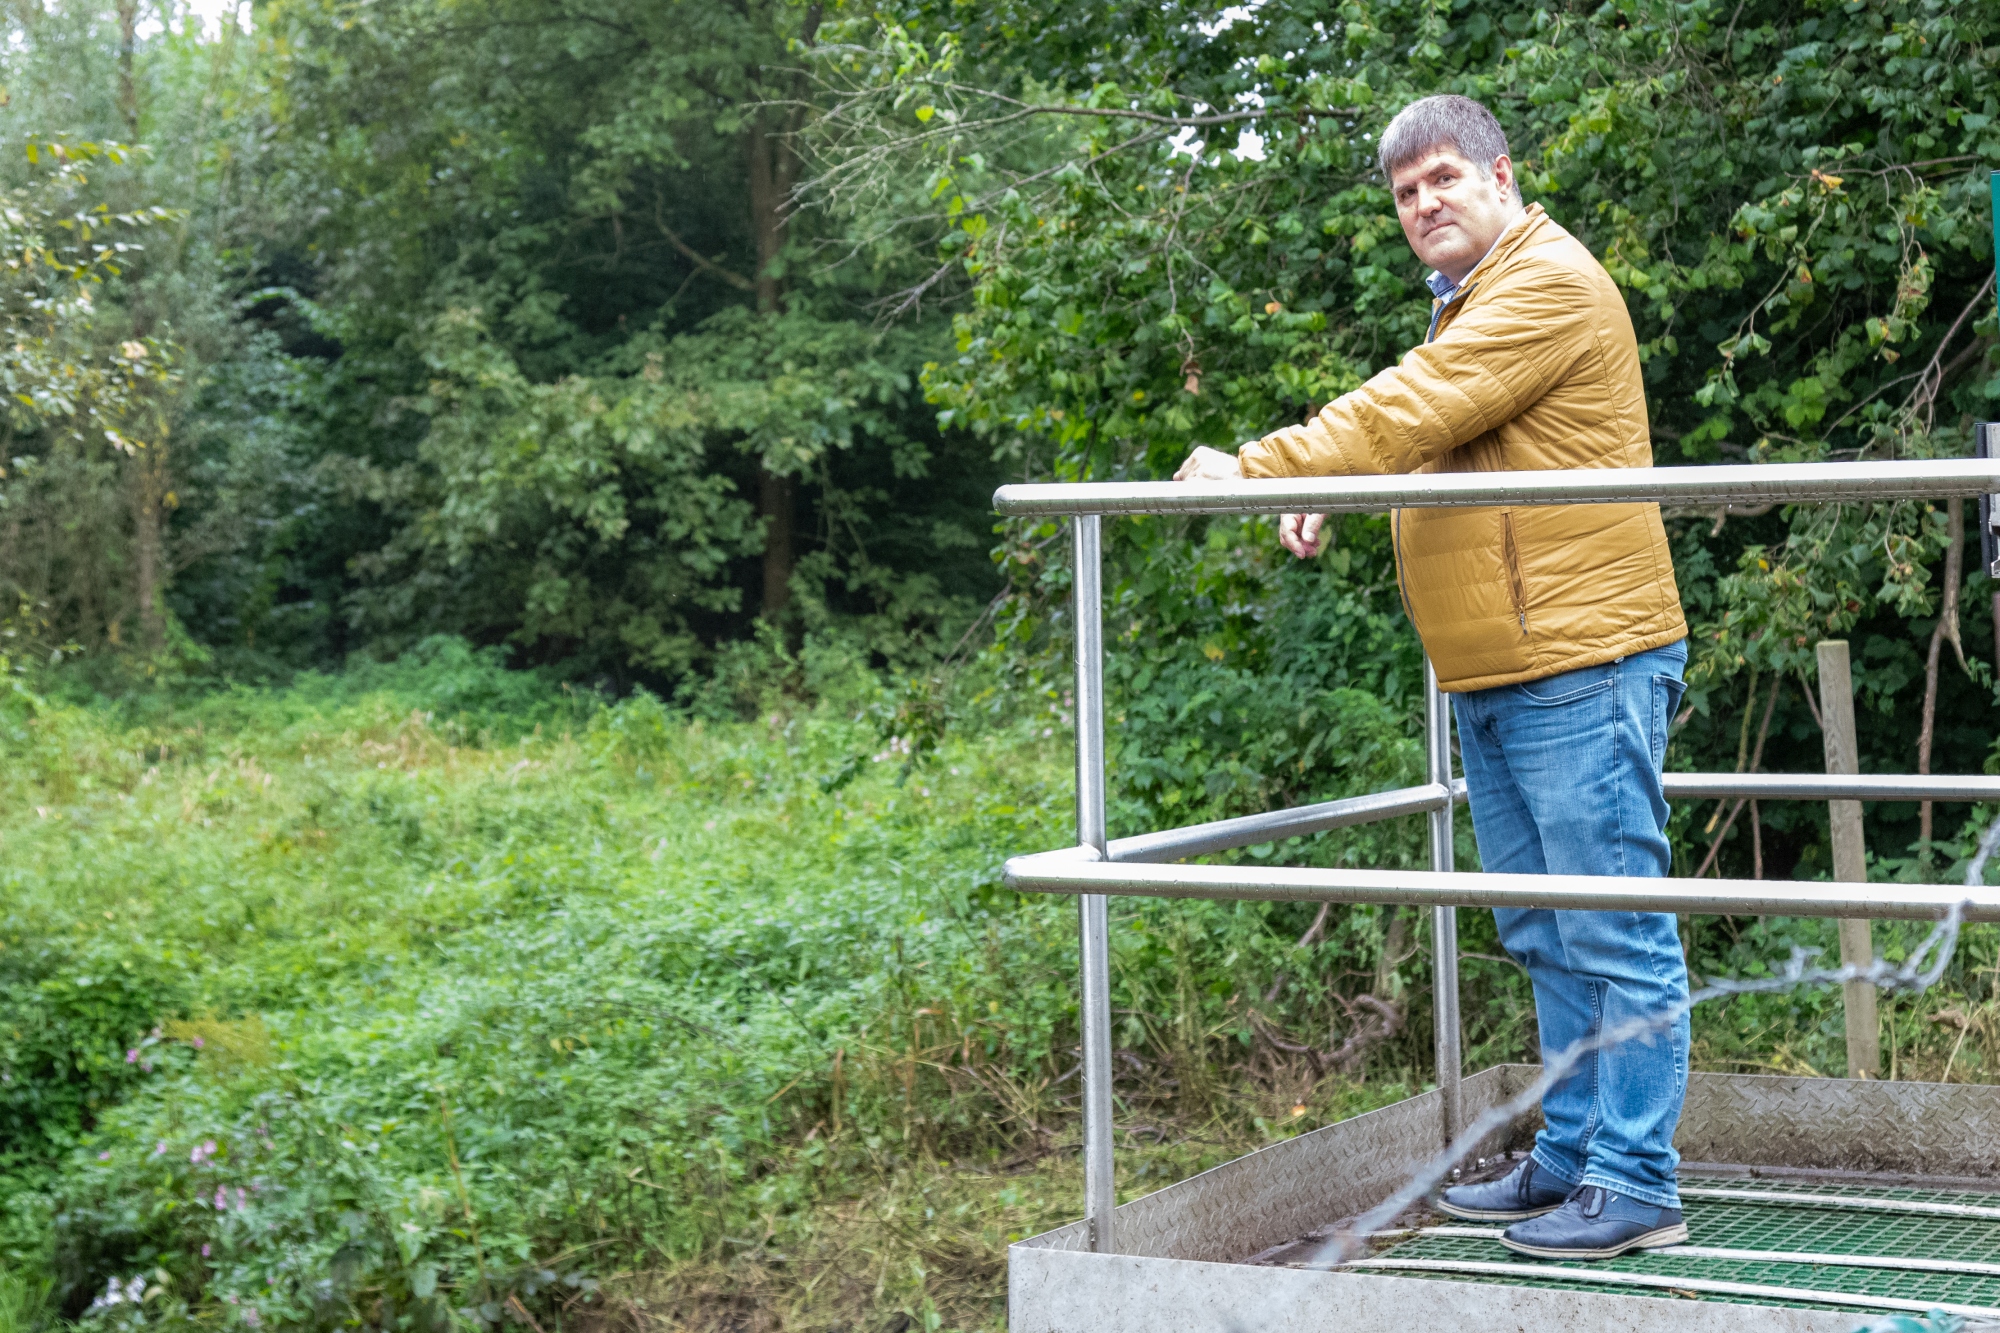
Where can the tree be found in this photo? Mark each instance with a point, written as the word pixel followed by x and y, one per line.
pixel 81 407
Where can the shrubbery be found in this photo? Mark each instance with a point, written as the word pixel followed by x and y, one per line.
pixel 427 992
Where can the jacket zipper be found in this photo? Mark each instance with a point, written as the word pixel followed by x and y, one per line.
pixel 1514 580
pixel 1396 515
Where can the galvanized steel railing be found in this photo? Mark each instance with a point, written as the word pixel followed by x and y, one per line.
pixel 1098 866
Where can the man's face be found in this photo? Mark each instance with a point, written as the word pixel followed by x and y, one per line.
pixel 1451 211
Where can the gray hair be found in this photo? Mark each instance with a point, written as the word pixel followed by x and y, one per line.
pixel 1445 121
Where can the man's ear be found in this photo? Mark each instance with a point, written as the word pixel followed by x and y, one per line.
pixel 1504 178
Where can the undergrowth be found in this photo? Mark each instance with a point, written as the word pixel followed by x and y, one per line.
pixel 434 995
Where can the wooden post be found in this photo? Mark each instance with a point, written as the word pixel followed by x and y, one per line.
pixel 1850 857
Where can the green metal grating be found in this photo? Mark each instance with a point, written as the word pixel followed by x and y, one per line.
pixel 1783 1227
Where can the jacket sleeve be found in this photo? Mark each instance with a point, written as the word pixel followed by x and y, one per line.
pixel 1489 365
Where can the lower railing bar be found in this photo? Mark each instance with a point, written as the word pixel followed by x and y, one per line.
pixel 1066 871
pixel 1829 787
pixel 1913 1265
pixel 1667 1281
pixel 1273 825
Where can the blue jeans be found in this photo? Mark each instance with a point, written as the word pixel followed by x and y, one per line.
pixel 1564 776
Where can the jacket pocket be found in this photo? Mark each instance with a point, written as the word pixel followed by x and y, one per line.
pixel 1403 592
pixel 1516 586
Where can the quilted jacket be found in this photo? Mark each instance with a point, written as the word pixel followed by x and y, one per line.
pixel 1531 364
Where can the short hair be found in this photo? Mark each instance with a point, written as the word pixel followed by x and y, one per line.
pixel 1444 121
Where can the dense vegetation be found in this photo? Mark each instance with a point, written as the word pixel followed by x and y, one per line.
pixel 437 988
pixel 514 700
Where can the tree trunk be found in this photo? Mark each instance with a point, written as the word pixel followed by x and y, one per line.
pixel 149 495
pixel 767 217
pixel 128 88
pixel 775 500
pixel 770 187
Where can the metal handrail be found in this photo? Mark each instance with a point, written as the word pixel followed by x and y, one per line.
pixel 1098 866
pixel 1731 484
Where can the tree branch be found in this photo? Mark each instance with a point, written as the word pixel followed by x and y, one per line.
pixel 701 261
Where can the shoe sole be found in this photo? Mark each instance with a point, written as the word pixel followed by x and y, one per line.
pixel 1492 1215
pixel 1673 1235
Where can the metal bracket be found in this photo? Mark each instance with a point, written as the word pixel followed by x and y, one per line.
pixel 1986 444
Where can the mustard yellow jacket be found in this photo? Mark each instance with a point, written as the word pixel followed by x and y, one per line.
pixel 1533 364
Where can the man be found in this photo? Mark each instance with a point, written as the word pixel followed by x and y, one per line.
pixel 1558 631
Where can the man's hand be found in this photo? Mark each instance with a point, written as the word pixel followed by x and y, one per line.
pixel 1206 464
pixel 1299 534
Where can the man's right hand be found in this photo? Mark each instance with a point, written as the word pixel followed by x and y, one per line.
pixel 1300 534
pixel 1206 464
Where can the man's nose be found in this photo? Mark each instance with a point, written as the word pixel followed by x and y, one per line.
pixel 1428 202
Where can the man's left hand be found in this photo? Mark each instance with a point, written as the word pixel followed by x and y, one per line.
pixel 1206 464
pixel 1300 534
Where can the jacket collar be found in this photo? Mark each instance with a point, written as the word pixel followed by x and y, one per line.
pixel 1445 290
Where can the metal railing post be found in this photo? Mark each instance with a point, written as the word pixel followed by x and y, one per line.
pixel 1444 920
pixel 1099 1192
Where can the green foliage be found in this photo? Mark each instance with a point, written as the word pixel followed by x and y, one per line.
pixel 1173 232
pixel 352 1000
pixel 63 242
pixel 577 339
pixel 1301 685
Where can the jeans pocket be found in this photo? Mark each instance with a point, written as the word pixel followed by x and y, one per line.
pixel 1555 690
pixel 1667 692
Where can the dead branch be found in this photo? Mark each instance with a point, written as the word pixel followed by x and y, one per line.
pixel 1756 758
pixel 1313 931
pixel 1947 628
pixel 1382 1021
pixel 1930 380
pixel 701 262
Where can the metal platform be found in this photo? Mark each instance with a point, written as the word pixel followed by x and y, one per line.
pixel 1905 1176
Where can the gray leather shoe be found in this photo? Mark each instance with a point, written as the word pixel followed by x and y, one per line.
pixel 1526 1191
pixel 1595 1223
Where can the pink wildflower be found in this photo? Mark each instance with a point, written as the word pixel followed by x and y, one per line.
pixel 199 1043
pixel 204 1250
pixel 132 1056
